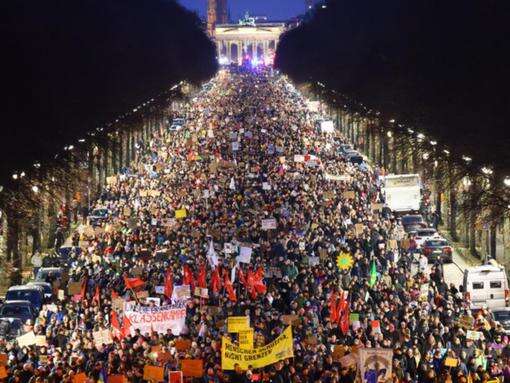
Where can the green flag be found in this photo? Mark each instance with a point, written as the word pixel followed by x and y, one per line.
pixel 373 275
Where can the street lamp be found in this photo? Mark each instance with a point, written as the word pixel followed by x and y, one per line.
pixel 506 181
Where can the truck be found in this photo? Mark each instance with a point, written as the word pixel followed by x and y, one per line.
pixel 402 192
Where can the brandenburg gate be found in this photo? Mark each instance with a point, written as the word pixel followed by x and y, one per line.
pixel 247 40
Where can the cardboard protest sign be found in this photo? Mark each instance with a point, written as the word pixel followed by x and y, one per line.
pixel 473 335
pixel 40 340
pixel 180 213
pixel 349 194
pixel 174 377
pixel 111 180
pixel 268 224
pixel 3 372
pixel 182 292
pixel 377 207
pixel 237 324
pixel 201 292
pixel 27 339
pixel 182 344
pixel 358 229
pixel 451 362
pixel 102 337
pixel 291 320
pixel 246 339
pixel 73 288
pixel 153 373
pixel 80 378
pixel 299 158
pixel 192 367
pixel 245 254
pixel 117 379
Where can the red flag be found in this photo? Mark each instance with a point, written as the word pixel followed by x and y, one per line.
pixel 215 281
pixel 241 276
pixel 133 283
pixel 250 284
pixel 188 277
pixel 126 327
pixel 114 322
pixel 114 294
pixel 230 289
pixel 259 285
pixel 201 277
pixel 84 284
pixel 333 308
pixel 97 295
pixel 343 314
pixel 169 283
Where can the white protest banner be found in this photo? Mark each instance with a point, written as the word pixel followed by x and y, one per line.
pixel 181 292
pixel 244 254
pixel 235 146
pixel 266 186
pixel 299 158
pixel 375 364
pixel 333 177
pixel 268 224
pixel 160 319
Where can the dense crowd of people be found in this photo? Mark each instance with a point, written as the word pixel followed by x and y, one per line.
pixel 251 150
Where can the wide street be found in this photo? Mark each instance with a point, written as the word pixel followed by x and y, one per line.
pixel 240 224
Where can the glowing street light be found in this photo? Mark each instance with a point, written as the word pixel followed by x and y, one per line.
pixel 467 159
pixel 389 134
pixel 506 181
pixel 487 171
pixel 35 189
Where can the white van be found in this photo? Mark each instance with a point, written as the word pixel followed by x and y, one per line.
pixel 486 286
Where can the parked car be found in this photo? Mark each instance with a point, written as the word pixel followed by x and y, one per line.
pixel 32 294
pixel 412 222
pixel 97 216
pixel 438 249
pixel 20 309
pixel 486 285
pixel 422 235
pixel 46 273
pixel 355 158
pixel 10 328
pixel 48 291
pixel 502 315
pixel 177 124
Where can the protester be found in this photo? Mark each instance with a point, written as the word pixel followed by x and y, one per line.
pixel 185 212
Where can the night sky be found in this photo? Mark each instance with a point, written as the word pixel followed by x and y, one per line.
pixel 274 10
